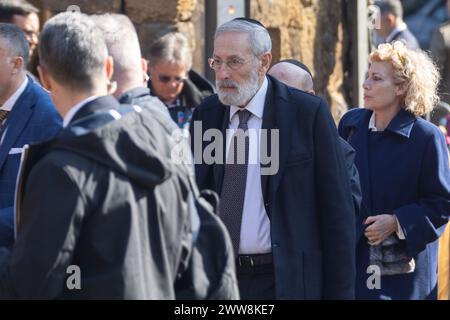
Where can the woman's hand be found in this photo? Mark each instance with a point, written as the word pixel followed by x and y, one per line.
pixel 380 227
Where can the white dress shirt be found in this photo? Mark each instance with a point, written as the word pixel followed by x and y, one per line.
pixel 69 115
pixel 255 226
pixel 9 104
pixel 372 127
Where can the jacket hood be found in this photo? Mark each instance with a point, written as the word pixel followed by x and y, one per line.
pixel 133 144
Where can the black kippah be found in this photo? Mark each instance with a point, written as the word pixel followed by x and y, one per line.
pixel 253 21
pixel 298 64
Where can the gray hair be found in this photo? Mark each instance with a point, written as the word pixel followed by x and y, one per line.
pixel 16 42
pixel 390 6
pixel 122 42
pixel 259 38
pixel 173 47
pixel 72 50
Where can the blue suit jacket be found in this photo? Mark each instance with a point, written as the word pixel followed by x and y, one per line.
pixel 308 200
pixel 406 173
pixel 32 119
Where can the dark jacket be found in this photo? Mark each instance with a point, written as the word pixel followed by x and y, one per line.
pixel 33 119
pixel 196 88
pixel 308 200
pixel 403 171
pixel 141 96
pixel 407 38
pixel 112 204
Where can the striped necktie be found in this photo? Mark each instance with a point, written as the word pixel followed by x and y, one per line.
pixel 234 183
pixel 3 116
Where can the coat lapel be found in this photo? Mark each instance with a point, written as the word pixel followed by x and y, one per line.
pixel 280 116
pixel 268 123
pixel 17 120
pixel 220 167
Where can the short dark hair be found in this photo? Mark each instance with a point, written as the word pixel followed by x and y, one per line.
pixel 9 8
pixel 390 6
pixel 72 49
pixel 16 41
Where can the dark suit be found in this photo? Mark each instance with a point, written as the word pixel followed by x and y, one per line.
pixel 33 119
pixel 308 200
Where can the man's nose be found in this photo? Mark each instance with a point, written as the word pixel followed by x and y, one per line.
pixel 222 72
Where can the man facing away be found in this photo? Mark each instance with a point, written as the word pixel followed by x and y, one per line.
pixel 27 115
pixel 130 78
pixel 114 219
pixel 290 218
pixel 297 75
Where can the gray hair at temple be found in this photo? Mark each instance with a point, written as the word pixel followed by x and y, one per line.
pixel 122 42
pixel 72 50
pixel 390 6
pixel 16 42
pixel 173 47
pixel 259 38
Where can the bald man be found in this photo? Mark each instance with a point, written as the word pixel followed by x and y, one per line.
pixel 297 75
pixel 294 74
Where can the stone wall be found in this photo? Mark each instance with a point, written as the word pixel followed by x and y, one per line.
pixel 151 18
pixel 313 31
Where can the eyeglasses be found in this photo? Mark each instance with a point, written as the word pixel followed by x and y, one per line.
pixel 167 79
pixel 234 64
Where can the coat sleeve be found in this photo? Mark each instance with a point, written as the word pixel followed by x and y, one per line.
pixel 51 219
pixel 335 209
pixel 421 221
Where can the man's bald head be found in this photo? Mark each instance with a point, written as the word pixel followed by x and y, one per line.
pixel 293 75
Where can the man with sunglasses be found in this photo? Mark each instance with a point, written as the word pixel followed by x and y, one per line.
pixel 293 228
pixel 173 81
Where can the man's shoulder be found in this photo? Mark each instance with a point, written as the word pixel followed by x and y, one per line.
pixel 354 116
pixel 209 103
pixel 41 98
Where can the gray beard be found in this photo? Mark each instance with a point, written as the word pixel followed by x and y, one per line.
pixel 245 91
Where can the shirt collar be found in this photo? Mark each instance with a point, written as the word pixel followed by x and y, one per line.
pixel 372 122
pixel 69 116
pixel 401 27
pixel 9 104
pixel 256 104
pixel 401 124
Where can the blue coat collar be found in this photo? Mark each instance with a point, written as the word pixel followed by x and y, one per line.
pixel 401 124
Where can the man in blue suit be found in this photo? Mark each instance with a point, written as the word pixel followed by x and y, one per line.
pixel 27 116
pixel 291 219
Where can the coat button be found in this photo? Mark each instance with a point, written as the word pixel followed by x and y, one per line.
pixel 267 204
pixel 275 245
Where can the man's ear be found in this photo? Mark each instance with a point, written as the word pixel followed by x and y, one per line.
pixel 144 66
pixel 109 68
pixel 18 65
pixel 390 18
pixel 44 78
pixel 266 61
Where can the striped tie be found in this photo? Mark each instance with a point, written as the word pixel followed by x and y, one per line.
pixel 3 116
pixel 234 182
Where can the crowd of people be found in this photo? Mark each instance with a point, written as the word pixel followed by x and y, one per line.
pixel 97 175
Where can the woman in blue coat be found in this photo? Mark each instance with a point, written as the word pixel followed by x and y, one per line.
pixel 404 172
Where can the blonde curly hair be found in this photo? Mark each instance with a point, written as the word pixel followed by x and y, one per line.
pixel 415 71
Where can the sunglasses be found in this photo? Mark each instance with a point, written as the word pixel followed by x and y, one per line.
pixel 167 79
